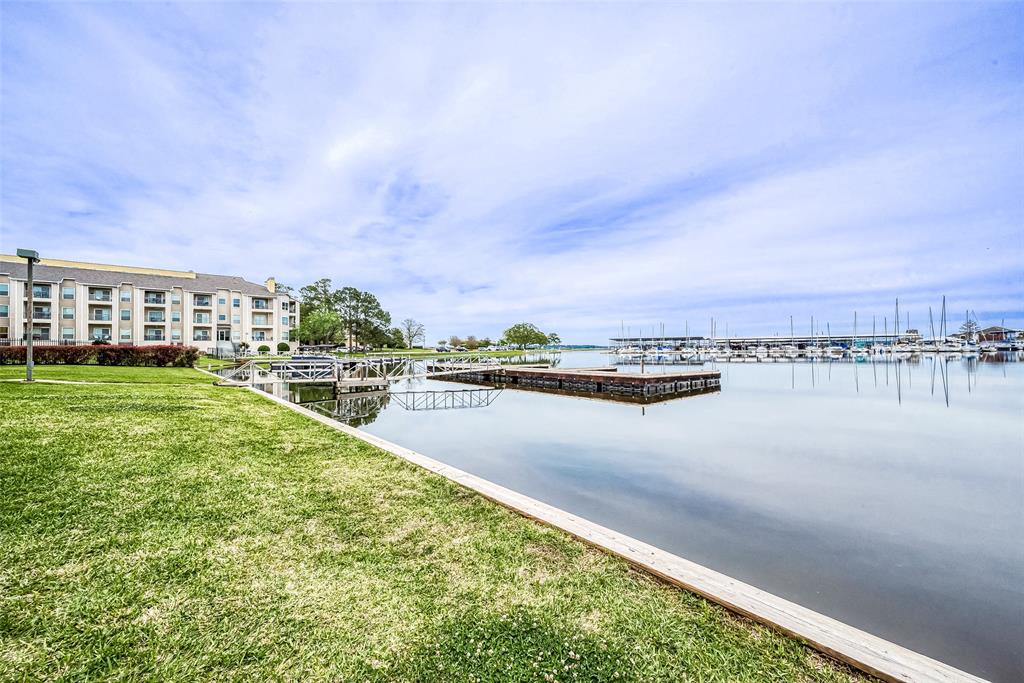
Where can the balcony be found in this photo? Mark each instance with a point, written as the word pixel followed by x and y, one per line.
pixel 101 316
pixel 40 314
pixel 155 335
pixel 42 292
pixel 100 295
pixel 202 301
pixel 155 318
pixel 202 319
pixel 154 300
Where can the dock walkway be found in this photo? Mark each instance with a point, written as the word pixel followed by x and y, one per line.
pixel 599 380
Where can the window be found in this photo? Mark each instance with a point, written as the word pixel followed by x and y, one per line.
pixel 175 316
pixel 236 318
pixel 284 336
pixel 201 299
pixel 67 313
pixel 68 292
pixel 4 331
pixel 175 298
pixel 203 318
pixel 175 334
pixel 126 334
pixel 41 291
pixel 221 316
pixel 222 301
pixel 235 335
pixel 4 289
pixel 67 333
pixel 154 298
pixel 224 335
pixel 259 320
pixel 236 303
pixel 100 333
pixel 126 314
pixel 4 311
pixel 284 320
pixel 201 335
pixel 126 295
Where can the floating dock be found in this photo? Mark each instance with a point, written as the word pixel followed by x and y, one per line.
pixel 602 382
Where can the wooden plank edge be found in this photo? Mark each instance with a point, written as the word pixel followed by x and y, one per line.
pixel 860 649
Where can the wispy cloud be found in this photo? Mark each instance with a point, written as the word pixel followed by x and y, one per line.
pixel 570 165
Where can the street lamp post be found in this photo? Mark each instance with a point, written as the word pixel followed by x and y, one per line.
pixel 32 257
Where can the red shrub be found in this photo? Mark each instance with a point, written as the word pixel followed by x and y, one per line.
pixel 124 355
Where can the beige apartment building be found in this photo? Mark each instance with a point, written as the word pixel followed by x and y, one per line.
pixel 75 301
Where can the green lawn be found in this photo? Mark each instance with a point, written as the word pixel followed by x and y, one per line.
pixel 103 373
pixel 192 532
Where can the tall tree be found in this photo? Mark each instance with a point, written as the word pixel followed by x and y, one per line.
pixel 413 331
pixel 524 334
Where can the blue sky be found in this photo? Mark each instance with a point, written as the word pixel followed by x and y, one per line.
pixel 577 166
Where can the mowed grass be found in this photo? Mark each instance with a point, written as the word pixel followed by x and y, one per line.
pixel 183 532
pixel 104 373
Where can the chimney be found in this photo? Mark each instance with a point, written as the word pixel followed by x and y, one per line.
pixel 271 285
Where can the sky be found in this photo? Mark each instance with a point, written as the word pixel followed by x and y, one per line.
pixel 584 167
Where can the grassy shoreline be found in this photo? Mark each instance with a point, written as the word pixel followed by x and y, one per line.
pixel 181 530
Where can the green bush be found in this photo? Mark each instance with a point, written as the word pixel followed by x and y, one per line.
pixel 282 347
pixel 263 348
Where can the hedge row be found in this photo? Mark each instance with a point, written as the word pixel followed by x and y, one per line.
pixel 157 356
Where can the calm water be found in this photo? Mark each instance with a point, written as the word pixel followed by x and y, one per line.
pixel 887 496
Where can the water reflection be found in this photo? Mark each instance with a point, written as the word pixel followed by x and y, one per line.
pixel 886 494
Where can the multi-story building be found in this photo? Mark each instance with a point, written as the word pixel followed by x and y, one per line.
pixel 75 301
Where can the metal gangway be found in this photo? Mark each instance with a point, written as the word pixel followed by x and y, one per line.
pixel 373 371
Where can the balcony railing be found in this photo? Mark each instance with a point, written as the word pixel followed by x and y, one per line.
pixel 40 292
pixel 155 319
pixel 40 315
pixel 101 318
pixel 100 296
pixel 154 337
pixel 203 301
pixel 260 305
pixel 155 300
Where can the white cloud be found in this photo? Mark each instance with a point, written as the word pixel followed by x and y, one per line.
pixel 570 165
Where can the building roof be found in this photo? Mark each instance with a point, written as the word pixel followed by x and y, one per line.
pixel 112 276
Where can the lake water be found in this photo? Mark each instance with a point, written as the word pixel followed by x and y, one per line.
pixel 889 496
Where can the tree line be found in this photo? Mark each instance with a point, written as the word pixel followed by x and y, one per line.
pixel 345 316
pixel 354 318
